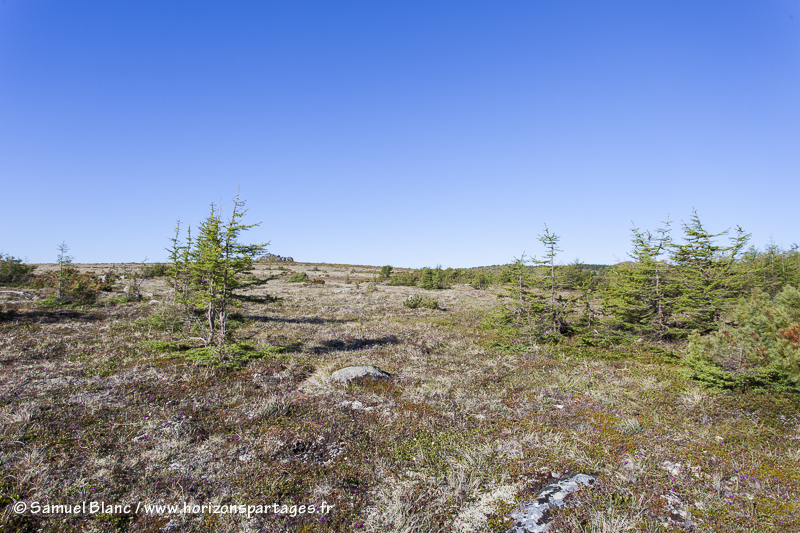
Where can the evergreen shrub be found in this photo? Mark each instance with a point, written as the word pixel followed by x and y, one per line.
pixel 761 353
pixel 77 288
pixel 403 279
pixel 155 270
pixel 14 272
pixel 482 280
pixel 417 301
pixel 298 277
pixel 435 278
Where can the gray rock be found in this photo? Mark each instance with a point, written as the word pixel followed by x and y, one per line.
pixel 532 517
pixel 18 293
pixel 274 257
pixel 342 290
pixel 350 373
pixel 154 302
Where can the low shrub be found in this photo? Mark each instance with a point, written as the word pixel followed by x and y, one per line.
pixel 762 353
pixel 76 288
pixel 435 278
pixel 482 280
pixel 14 272
pixel 417 301
pixel 298 277
pixel 235 357
pixel 403 279
pixel 155 270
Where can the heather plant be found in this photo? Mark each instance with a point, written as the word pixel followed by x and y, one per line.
pixel 761 352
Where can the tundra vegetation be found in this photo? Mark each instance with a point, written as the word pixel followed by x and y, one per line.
pixel 672 378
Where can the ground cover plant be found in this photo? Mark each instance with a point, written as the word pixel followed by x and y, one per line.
pixel 94 408
pixel 491 399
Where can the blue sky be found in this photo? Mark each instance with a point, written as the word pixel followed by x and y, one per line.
pixel 409 133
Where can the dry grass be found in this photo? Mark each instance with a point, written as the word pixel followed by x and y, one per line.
pixel 91 412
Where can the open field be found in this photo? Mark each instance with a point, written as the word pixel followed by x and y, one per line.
pixel 94 407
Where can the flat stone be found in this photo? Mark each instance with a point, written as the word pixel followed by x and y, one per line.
pixel 342 290
pixel 350 373
pixel 533 516
pixel 18 293
pixel 153 302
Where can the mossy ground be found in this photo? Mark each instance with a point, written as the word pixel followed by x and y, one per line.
pixel 97 404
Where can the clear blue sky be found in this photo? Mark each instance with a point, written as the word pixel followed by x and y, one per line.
pixel 405 132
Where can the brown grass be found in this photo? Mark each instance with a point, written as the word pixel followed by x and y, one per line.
pixel 90 411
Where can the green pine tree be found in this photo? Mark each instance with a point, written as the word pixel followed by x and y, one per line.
pixel 65 270
pixel 761 352
pixel 706 281
pixel 519 312
pixel 216 270
pixel 554 306
pixel 637 295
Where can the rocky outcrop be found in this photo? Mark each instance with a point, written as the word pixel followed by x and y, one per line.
pixel 533 516
pixel 273 257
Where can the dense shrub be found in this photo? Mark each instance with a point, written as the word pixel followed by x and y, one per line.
pixel 14 272
pixel 155 270
pixel 386 272
pixel 77 288
pixel 762 352
pixel 417 301
pixel 482 280
pixel 403 279
pixel 298 277
pixel 435 278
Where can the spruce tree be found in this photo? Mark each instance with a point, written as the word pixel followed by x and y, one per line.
pixel 637 294
pixel 761 352
pixel 706 281
pixel 64 269
pixel 770 270
pixel 521 311
pixel 555 306
pixel 178 276
pixel 216 267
